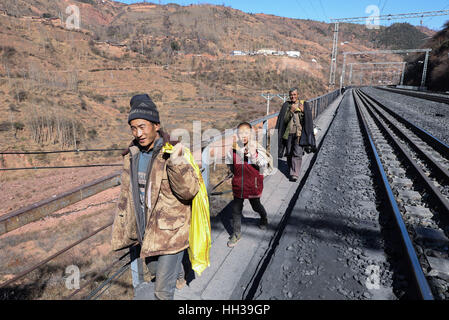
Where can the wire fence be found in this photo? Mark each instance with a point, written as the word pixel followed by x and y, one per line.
pixel 38 152
pixel 107 281
pixel 43 262
pixel 59 151
pixel 63 167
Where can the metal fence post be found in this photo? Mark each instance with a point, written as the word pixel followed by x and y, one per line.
pixel 136 266
pixel 205 159
pixel 265 134
pixel 274 147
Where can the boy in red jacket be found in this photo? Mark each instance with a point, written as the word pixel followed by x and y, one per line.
pixel 247 160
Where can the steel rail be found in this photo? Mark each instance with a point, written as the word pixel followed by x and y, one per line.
pixel 441 199
pixel 437 144
pixel 418 275
pixel 443 172
pixel 420 95
pixel 29 270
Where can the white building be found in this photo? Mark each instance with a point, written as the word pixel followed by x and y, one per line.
pixel 238 53
pixel 293 54
pixel 266 52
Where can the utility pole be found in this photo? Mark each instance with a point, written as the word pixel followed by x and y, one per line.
pixel 350 75
pixel 403 73
pixel 268 97
pixel 342 77
pixel 424 73
pixel 282 96
pixel 334 56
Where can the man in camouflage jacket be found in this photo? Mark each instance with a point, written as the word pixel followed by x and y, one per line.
pixel 154 209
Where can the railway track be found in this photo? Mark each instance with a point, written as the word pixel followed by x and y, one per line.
pixel 413 167
pixel 441 98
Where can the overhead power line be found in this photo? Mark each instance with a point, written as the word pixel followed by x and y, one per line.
pixel 303 9
pixel 395 16
pixel 324 11
pixel 389 17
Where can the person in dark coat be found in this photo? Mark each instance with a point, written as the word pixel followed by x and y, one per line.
pixel 295 132
pixel 249 162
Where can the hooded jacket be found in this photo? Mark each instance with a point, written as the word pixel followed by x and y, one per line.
pixel 168 194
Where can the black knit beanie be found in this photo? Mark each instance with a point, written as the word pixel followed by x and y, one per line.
pixel 142 107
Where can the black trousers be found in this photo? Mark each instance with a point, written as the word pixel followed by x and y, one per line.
pixel 237 207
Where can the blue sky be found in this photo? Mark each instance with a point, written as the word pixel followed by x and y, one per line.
pixel 323 10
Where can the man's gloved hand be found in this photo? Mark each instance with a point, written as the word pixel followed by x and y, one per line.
pixel 177 156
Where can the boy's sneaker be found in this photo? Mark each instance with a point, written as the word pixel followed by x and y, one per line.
pixel 234 239
pixel 263 223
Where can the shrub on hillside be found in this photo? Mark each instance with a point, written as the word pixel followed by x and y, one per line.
pixel 13 108
pixel 92 2
pixel 8 52
pixel 21 96
pixel 5 126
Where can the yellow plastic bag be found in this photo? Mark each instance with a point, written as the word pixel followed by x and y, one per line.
pixel 200 230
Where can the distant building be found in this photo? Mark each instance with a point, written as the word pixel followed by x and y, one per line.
pixel 314 61
pixel 293 54
pixel 265 52
pixel 238 53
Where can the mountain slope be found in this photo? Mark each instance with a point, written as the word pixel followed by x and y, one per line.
pixel 401 36
pixel 438 70
pixel 83 80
